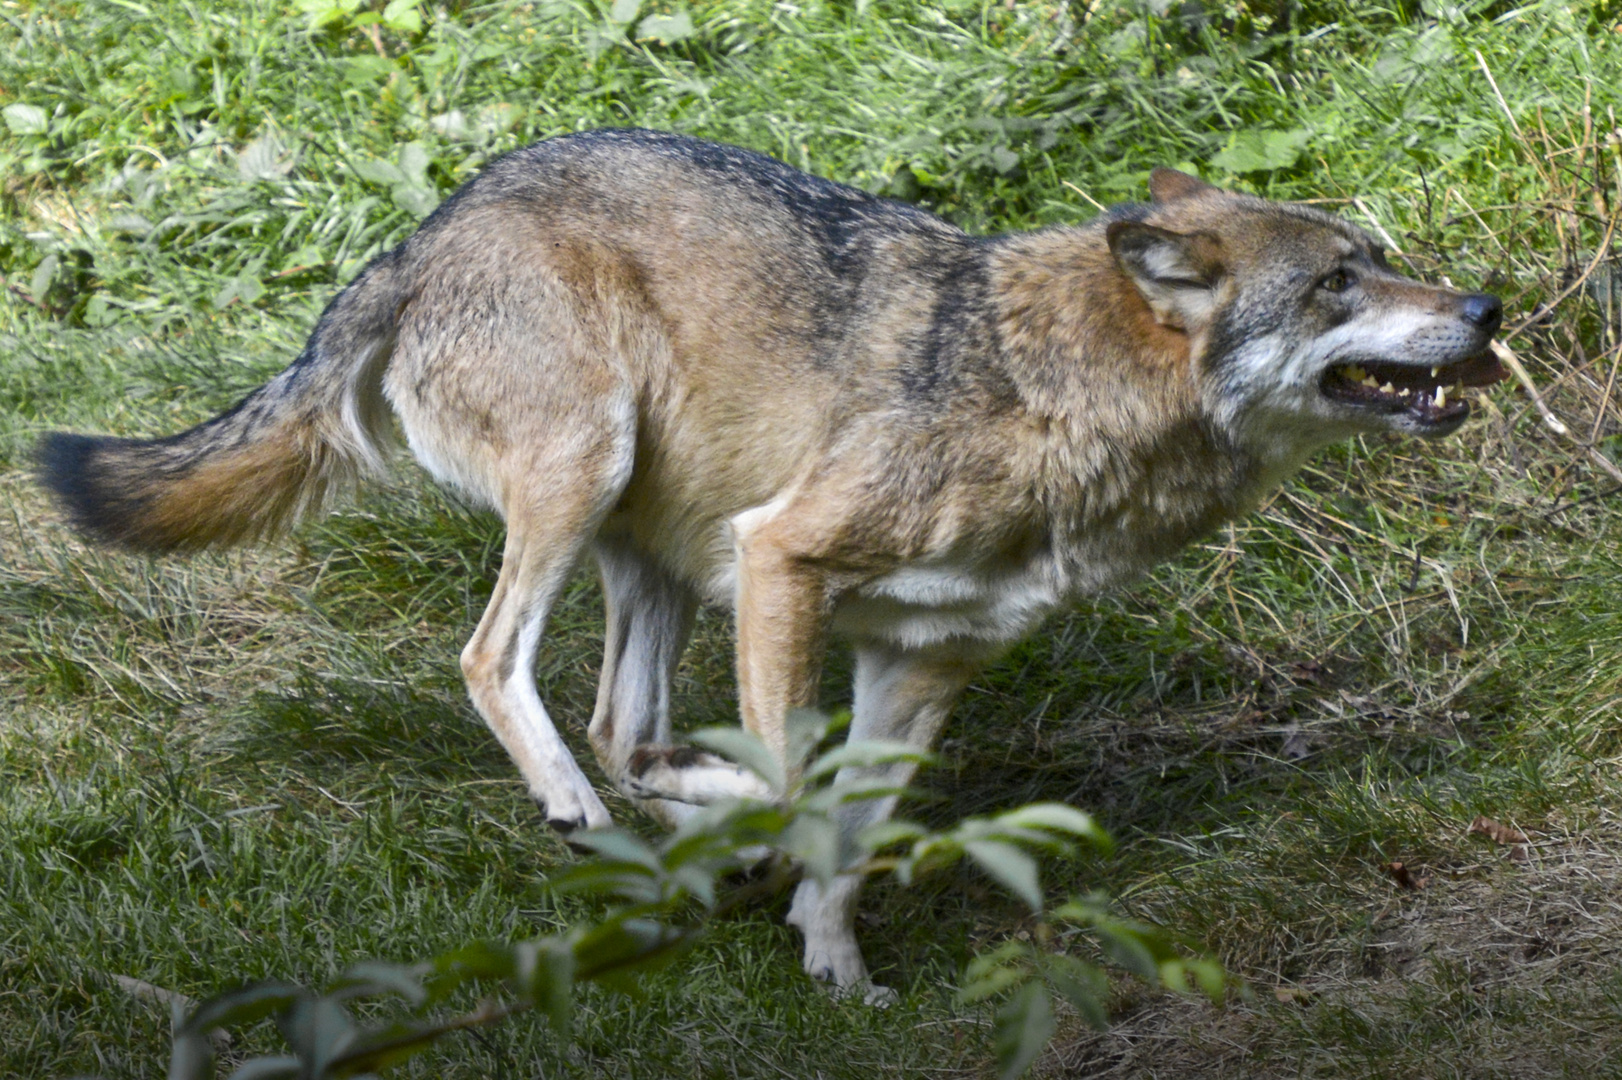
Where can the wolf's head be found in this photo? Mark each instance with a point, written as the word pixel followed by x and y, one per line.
pixel 1302 331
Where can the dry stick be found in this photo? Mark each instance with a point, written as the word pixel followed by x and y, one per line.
pixel 1509 360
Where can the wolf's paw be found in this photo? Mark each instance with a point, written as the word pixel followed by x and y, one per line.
pixel 871 993
pixel 573 807
pixel 683 774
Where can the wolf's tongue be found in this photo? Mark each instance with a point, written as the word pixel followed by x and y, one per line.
pixel 1483 370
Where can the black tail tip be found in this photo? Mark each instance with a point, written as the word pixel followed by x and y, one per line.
pixel 65 466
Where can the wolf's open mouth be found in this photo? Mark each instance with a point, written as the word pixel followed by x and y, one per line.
pixel 1432 395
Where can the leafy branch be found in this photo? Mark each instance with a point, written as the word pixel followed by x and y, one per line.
pixel 664 894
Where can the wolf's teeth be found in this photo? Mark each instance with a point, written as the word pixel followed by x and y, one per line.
pixel 1434 370
pixel 1388 389
pixel 1441 396
pixel 1406 391
pixel 1370 381
pixel 1354 372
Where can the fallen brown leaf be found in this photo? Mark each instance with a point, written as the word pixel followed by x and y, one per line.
pixel 1500 833
pixel 1404 877
pixel 1503 834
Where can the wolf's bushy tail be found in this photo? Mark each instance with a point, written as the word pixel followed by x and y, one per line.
pixel 282 452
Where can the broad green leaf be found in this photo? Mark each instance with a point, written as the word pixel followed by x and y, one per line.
pixel 1057 817
pixel 866 753
pixel 480 961
pixel 882 834
pixel 616 843
pixel 416 201
pixel 1129 950
pixel 1210 977
pixel 745 748
pixel 1022 1030
pixel 245 1005
pixel 414 162
pixel 318 1030
pixel 546 977
pixel 191 1057
pixel 44 274
pixel 814 841
pixel 266 158
pixel 24 119
pixel 372 977
pixel 806 728
pixel 1257 149
pixel 1010 866
pixel 1081 984
pixel 378 171
pixel 402 16
pixel 668 29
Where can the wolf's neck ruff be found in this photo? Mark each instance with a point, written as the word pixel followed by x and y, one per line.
pixel 718 376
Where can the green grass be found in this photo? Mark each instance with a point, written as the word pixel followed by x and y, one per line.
pixel 263 763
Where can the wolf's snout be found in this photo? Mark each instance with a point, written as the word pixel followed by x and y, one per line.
pixel 1483 310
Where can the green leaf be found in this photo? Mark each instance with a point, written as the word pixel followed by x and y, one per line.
pixel 882 834
pixel 416 201
pixel 1257 150
pixel 242 1006
pixel 1022 1030
pixel 191 1058
pixel 814 841
pixel 546 978
pixel 745 748
pixel 866 753
pixel 1054 816
pixel 24 119
pixel 1010 866
pixel 667 29
pixel 1081 984
pixel 318 1030
pixel 616 843
pixel 378 171
pixel 372 977
pixel 402 16
pixel 44 274
pixel 414 161
pixel 1210 977
pixel 806 728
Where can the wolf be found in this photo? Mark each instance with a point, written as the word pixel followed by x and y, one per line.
pixel 724 380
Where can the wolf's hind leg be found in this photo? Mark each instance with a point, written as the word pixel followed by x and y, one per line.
pixel 901 696
pixel 552 511
pixel 649 617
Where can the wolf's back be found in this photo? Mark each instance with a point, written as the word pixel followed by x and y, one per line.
pixel 256 469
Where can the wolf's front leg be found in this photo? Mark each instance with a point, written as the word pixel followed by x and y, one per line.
pixel 782 616
pixel 901 696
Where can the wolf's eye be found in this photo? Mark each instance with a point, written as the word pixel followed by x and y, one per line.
pixel 1338 281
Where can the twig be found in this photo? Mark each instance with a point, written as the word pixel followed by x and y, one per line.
pixel 1500 350
pixel 1573 504
pixel 1084 195
pixel 1582 279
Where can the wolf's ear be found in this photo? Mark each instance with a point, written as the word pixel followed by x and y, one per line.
pixel 1169 185
pixel 1176 273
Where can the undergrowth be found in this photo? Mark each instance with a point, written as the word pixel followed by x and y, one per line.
pixel 262 764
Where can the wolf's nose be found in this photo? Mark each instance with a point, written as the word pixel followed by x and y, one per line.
pixel 1484 310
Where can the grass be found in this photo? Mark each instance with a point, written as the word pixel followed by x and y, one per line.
pixel 263 763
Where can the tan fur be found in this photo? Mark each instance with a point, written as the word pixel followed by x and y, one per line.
pixel 723 380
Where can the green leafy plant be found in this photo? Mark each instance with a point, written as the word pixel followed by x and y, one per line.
pixel 663 894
